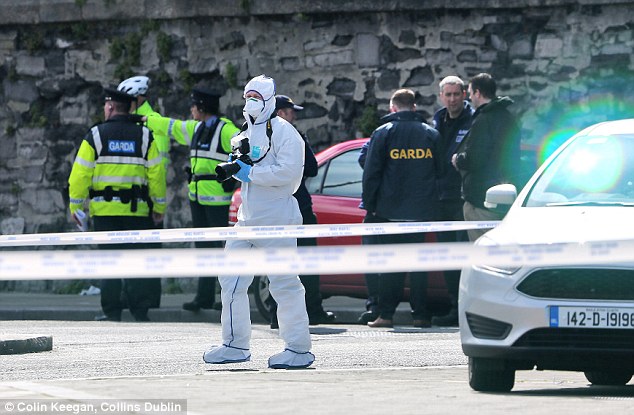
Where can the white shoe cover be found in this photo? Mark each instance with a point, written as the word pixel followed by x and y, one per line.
pixel 223 354
pixel 289 359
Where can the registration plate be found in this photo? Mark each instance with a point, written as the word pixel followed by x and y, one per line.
pixel 592 317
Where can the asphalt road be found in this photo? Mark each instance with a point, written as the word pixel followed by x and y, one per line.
pixel 358 371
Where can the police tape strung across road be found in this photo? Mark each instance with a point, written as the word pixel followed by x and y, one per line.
pixel 58 264
pixel 246 232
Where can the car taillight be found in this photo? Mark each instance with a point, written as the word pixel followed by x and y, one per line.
pixel 233 207
pixel 233 215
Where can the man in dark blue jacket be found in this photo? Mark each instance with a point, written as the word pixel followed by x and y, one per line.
pixel 399 185
pixel 452 122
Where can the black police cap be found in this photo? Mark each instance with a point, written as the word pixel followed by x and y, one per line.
pixel 111 94
pixel 283 101
pixel 206 98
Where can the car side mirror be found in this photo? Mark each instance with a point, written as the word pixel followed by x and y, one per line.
pixel 500 197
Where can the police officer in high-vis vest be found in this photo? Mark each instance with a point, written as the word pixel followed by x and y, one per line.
pixel 209 138
pixel 119 169
pixel 138 86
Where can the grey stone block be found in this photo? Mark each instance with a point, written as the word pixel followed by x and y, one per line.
pixel 26 345
pixel 12 226
pixel 30 65
pixel 367 50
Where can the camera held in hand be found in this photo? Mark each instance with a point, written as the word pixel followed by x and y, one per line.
pixel 241 148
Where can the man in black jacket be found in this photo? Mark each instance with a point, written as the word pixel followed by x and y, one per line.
pixel 490 152
pixel 371 278
pixel 286 109
pixel 452 122
pixel 399 185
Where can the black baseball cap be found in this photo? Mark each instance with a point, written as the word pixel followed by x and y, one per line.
pixel 206 98
pixel 111 94
pixel 282 101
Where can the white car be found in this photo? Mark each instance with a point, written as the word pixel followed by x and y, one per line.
pixel 566 317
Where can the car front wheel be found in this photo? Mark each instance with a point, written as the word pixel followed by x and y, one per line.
pixel 613 377
pixel 262 296
pixel 490 375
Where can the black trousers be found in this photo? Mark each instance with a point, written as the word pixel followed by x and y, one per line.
pixel 371 279
pixel 451 210
pixel 391 285
pixel 204 216
pixel 137 294
pixel 156 290
pixel 310 282
pixel 314 301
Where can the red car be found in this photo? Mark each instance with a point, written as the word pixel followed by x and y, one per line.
pixel 336 194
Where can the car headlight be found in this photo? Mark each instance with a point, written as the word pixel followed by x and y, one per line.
pixel 504 270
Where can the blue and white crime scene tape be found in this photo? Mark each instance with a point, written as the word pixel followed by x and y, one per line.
pixel 20 265
pixel 226 233
pixel 96 264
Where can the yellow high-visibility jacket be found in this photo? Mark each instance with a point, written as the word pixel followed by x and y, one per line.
pixel 210 144
pixel 119 168
pixel 162 140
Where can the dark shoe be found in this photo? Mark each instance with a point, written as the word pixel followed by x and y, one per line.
pixel 449 320
pixel 422 323
pixel 140 316
pixel 104 317
pixel 380 323
pixel 367 317
pixel 196 306
pixel 325 317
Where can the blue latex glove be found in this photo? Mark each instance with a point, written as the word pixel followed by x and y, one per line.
pixel 243 173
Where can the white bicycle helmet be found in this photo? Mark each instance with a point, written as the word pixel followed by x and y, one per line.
pixel 135 86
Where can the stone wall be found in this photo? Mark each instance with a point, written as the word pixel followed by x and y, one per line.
pixel 566 64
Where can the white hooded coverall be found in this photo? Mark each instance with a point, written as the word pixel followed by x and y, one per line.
pixel 268 200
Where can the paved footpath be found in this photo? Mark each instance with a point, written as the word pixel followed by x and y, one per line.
pixel 46 306
pixel 358 371
pixel 403 391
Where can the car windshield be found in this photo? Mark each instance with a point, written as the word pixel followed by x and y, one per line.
pixel 591 171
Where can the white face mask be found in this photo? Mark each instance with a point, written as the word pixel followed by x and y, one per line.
pixel 254 107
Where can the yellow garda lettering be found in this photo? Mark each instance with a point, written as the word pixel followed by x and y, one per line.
pixel 411 153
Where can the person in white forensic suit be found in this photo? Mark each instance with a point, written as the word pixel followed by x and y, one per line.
pixel 276 150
